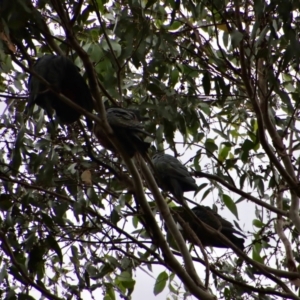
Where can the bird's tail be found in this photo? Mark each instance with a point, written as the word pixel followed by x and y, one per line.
pixel 142 147
pixel 239 242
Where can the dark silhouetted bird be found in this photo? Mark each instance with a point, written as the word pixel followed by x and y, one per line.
pixel 65 78
pixel 211 218
pixel 127 129
pixel 172 175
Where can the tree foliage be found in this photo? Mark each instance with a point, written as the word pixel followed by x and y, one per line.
pixel 218 80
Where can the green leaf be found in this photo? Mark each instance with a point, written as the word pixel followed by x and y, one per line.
pixel 247 146
pixel 257 223
pixel 175 25
pixel 210 147
pixel 206 193
pixel 221 133
pixel 87 279
pixel 93 197
pixel 202 186
pixel 224 153
pixel 206 83
pixel 16 161
pixel 115 46
pixel 173 78
pixel 135 221
pixel 259 6
pixel 115 217
pixel 10 295
pixel 259 183
pixel 236 38
pixel 230 205
pixel 286 99
pixel 262 36
pixel 150 3
pixel 3 274
pixel 105 269
pixel 55 247
pixel 45 174
pixel 160 283
pixel 126 279
pixel 96 52
pixel 110 293
pixel 74 251
pixel 6 202
pixel 92 271
pixel 256 253
pixel 287 56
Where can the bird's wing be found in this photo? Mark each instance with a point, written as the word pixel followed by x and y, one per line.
pixel 226 225
pixel 35 86
pixel 171 167
pixel 51 68
pixel 123 118
pixel 119 117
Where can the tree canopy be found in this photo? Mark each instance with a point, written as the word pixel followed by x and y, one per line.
pixel 219 84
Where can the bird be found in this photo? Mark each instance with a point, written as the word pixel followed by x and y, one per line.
pixel 211 218
pixel 172 176
pixel 65 78
pixel 127 128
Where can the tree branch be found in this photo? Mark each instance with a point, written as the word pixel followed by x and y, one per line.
pixel 260 120
pixel 165 212
pixel 92 76
pixel 241 193
pixel 278 144
pixel 265 291
pixel 290 261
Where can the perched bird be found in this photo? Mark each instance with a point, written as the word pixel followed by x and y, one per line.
pixel 65 78
pixel 128 130
pixel 172 176
pixel 211 218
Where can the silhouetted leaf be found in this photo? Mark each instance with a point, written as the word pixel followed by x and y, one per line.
pixel 52 243
pixel 230 205
pixel 206 83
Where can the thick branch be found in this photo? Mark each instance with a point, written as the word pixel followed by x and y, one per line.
pixel 194 236
pixel 164 210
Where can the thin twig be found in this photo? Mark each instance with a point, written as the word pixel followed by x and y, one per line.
pixel 241 193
